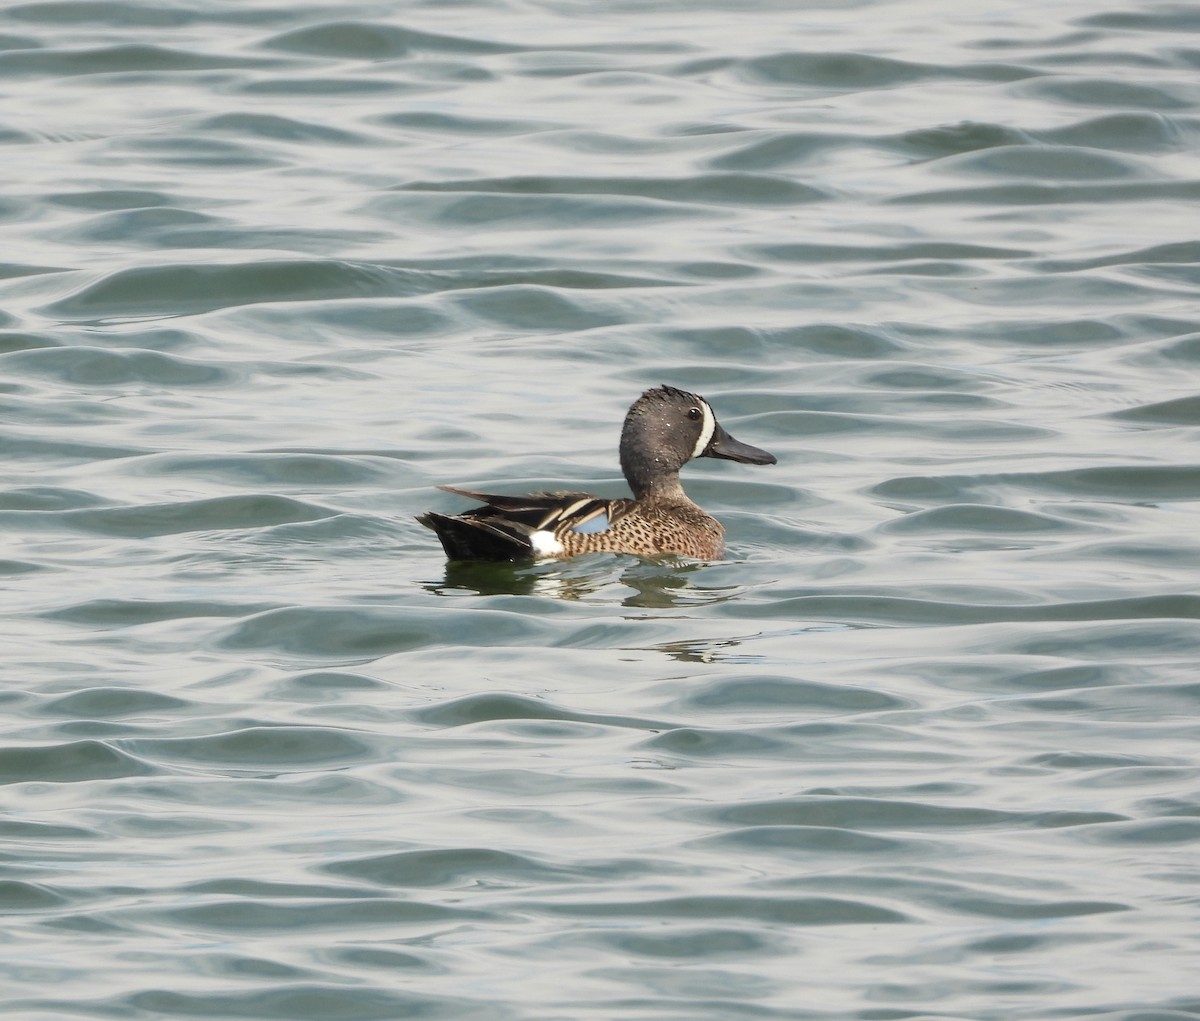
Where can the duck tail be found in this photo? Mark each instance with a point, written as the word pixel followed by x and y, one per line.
pixel 472 539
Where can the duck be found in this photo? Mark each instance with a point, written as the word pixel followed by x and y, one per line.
pixel 664 429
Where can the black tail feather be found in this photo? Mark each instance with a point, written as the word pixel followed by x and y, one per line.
pixel 473 539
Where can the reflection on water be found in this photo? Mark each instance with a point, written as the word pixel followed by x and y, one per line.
pixel 657 583
pixel 700 651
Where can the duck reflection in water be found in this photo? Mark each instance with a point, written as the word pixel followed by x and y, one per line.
pixel 662 583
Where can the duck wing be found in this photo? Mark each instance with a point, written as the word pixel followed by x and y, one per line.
pixel 521 527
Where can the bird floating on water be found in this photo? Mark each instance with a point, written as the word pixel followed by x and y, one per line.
pixel 664 429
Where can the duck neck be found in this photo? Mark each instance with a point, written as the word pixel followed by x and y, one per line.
pixel 662 487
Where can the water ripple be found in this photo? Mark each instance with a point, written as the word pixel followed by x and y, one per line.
pixel 924 738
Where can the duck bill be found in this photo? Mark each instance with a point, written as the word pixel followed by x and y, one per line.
pixel 725 446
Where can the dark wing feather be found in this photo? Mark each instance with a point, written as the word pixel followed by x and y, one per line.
pixel 532 509
pixel 501 528
pixel 574 513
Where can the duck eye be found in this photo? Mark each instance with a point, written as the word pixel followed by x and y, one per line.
pixel 694 414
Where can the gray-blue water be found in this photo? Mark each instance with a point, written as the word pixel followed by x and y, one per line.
pixel 923 746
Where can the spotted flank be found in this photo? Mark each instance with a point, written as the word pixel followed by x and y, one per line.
pixel 664 429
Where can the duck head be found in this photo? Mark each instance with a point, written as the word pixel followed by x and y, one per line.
pixel 665 428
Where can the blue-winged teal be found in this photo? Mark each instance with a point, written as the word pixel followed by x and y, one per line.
pixel 664 430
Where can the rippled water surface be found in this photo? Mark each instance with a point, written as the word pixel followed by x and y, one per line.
pixel 923 746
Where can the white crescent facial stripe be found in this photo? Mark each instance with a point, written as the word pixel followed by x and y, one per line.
pixel 706 430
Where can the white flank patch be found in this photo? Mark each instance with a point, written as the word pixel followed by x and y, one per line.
pixel 706 432
pixel 545 544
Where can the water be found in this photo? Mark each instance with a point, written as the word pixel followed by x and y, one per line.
pixel 924 746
